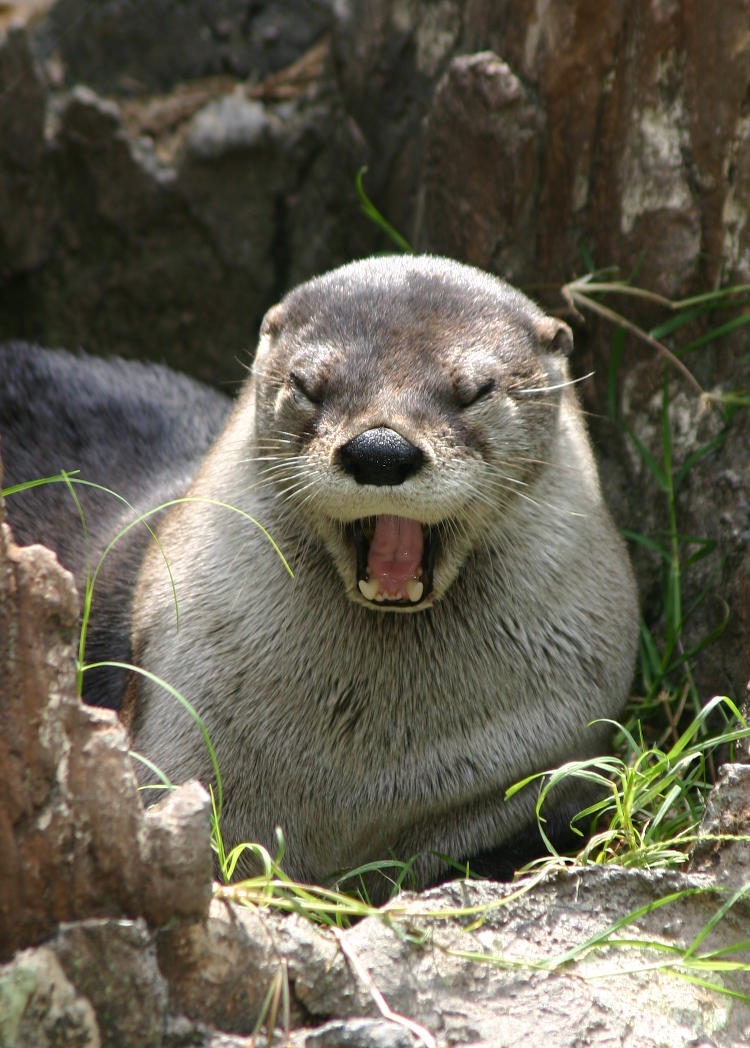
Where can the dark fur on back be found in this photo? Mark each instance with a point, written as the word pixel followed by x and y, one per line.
pixel 138 429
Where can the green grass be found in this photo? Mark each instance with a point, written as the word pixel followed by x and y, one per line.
pixel 377 218
pixel 650 799
pixel 668 690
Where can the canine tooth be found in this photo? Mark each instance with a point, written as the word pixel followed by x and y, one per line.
pixel 368 588
pixel 414 590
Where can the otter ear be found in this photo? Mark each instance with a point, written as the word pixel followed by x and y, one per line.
pixel 270 328
pixel 554 336
pixel 272 322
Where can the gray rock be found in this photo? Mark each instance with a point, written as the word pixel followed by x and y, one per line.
pixel 483 964
pixel 435 975
pixel 360 1033
pixel 40 1007
pixel 234 122
pixel 112 963
pixel 118 45
pixel 220 970
pixel 725 851
pixel 174 851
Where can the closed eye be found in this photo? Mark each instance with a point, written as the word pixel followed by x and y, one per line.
pixel 480 393
pixel 302 391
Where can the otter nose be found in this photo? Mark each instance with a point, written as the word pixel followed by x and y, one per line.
pixel 380 456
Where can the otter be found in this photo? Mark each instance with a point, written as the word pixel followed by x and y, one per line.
pixel 461 609
pixel 136 429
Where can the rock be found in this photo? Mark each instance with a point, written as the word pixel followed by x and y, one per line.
pixel 470 963
pixel 727 816
pixel 175 856
pixel 166 225
pixel 220 970
pixel 27 193
pixel 434 975
pixel 234 122
pixel 40 1007
pixel 489 223
pixel 360 1033
pixel 112 964
pixel 74 841
pixel 152 47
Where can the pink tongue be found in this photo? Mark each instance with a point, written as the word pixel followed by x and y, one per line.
pixel 395 553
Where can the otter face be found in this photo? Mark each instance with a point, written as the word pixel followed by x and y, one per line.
pixel 403 407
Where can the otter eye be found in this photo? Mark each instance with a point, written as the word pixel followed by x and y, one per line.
pixel 471 395
pixel 302 391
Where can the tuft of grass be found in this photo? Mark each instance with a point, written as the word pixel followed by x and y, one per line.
pixel 581 294
pixel 651 800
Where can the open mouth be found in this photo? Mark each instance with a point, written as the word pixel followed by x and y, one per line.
pixel 395 558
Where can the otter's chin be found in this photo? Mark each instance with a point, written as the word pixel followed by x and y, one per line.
pixel 394 562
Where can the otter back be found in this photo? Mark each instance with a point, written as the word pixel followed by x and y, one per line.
pixel 137 429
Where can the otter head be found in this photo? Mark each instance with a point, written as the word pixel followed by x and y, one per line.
pixel 404 407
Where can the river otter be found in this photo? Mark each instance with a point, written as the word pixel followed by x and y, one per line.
pixel 462 605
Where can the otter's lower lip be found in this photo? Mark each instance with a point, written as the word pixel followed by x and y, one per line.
pixel 413 560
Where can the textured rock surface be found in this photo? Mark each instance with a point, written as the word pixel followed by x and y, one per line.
pixel 725 851
pixel 164 225
pixel 481 103
pixel 74 841
pixel 39 1006
pixel 121 46
pixel 112 964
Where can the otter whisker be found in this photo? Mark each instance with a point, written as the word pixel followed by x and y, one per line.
pixel 548 389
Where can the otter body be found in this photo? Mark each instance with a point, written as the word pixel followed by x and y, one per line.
pixel 462 605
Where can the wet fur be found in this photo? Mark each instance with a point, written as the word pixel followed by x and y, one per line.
pixel 363 732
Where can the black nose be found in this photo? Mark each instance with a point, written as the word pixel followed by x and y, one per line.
pixel 380 456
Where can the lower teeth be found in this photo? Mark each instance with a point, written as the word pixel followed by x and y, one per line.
pixel 370 591
pixel 414 590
